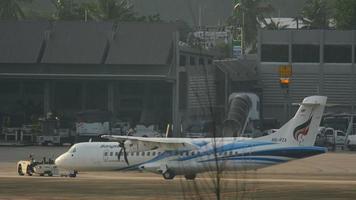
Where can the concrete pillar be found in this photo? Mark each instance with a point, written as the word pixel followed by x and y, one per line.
pixel 353 82
pixel 83 101
pixel 111 97
pixel 47 97
pixel 175 88
pixel 321 65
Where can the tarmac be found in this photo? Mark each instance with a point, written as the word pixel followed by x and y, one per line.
pixel 327 176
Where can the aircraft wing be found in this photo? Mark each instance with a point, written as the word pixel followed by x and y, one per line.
pixel 145 143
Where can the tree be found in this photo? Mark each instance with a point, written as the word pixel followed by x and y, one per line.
pixel 116 10
pixel 316 14
pixel 121 10
pixel 67 10
pixel 11 9
pixel 248 15
pixel 345 14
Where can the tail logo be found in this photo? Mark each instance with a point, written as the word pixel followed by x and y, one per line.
pixel 302 130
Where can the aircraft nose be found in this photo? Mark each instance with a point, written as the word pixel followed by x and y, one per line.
pixel 59 161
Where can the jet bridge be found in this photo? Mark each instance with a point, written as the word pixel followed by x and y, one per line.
pixel 242 108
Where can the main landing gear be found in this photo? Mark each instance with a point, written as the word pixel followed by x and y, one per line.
pixel 169 175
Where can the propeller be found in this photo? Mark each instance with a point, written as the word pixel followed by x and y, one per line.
pixel 123 150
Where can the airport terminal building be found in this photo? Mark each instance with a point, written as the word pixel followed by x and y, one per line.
pixel 323 63
pixel 139 72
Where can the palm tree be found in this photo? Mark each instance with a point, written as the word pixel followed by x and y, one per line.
pixel 116 10
pixel 316 14
pixel 11 9
pixel 67 10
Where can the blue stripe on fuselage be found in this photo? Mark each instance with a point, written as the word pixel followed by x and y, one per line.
pixel 228 147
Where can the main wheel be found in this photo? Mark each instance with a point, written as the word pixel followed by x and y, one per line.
pixel 190 176
pixel 168 175
pixel 19 170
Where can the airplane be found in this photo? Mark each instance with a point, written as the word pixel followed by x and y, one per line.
pixel 190 156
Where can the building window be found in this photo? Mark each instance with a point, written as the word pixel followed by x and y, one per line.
pixel 182 60
pixel 274 53
pixel 210 61
pixel 137 153
pixel 143 153
pixel 111 153
pixel 201 61
pixel 116 153
pixel 192 60
pixel 106 154
pixel 305 53
pixel 337 53
pixel 148 153
pixel 153 153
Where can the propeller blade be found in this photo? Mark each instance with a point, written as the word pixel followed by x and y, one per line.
pixel 118 156
pixel 125 156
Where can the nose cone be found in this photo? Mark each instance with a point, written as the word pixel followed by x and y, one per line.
pixel 59 161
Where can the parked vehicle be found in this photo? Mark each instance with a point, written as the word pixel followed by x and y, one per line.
pixel 49 140
pixel 351 142
pixel 30 167
pixel 331 138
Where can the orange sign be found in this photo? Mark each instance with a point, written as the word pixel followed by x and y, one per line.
pixel 285 71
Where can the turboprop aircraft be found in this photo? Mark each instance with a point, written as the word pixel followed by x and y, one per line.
pixel 190 156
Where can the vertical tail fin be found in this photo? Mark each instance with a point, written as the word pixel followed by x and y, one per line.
pixel 302 129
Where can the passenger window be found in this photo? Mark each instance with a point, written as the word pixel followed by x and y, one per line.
pixel 225 153
pixel 236 153
pixel 153 153
pixel 111 153
pixel 186 153
pixel 230 153
pixel 193 153
pixel 143 153
pixel 148 153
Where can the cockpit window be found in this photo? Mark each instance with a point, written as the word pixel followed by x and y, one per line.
pixel 73 149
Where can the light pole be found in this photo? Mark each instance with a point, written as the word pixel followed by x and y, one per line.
pixel 238 7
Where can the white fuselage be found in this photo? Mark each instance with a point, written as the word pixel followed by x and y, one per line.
pixel 226 153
